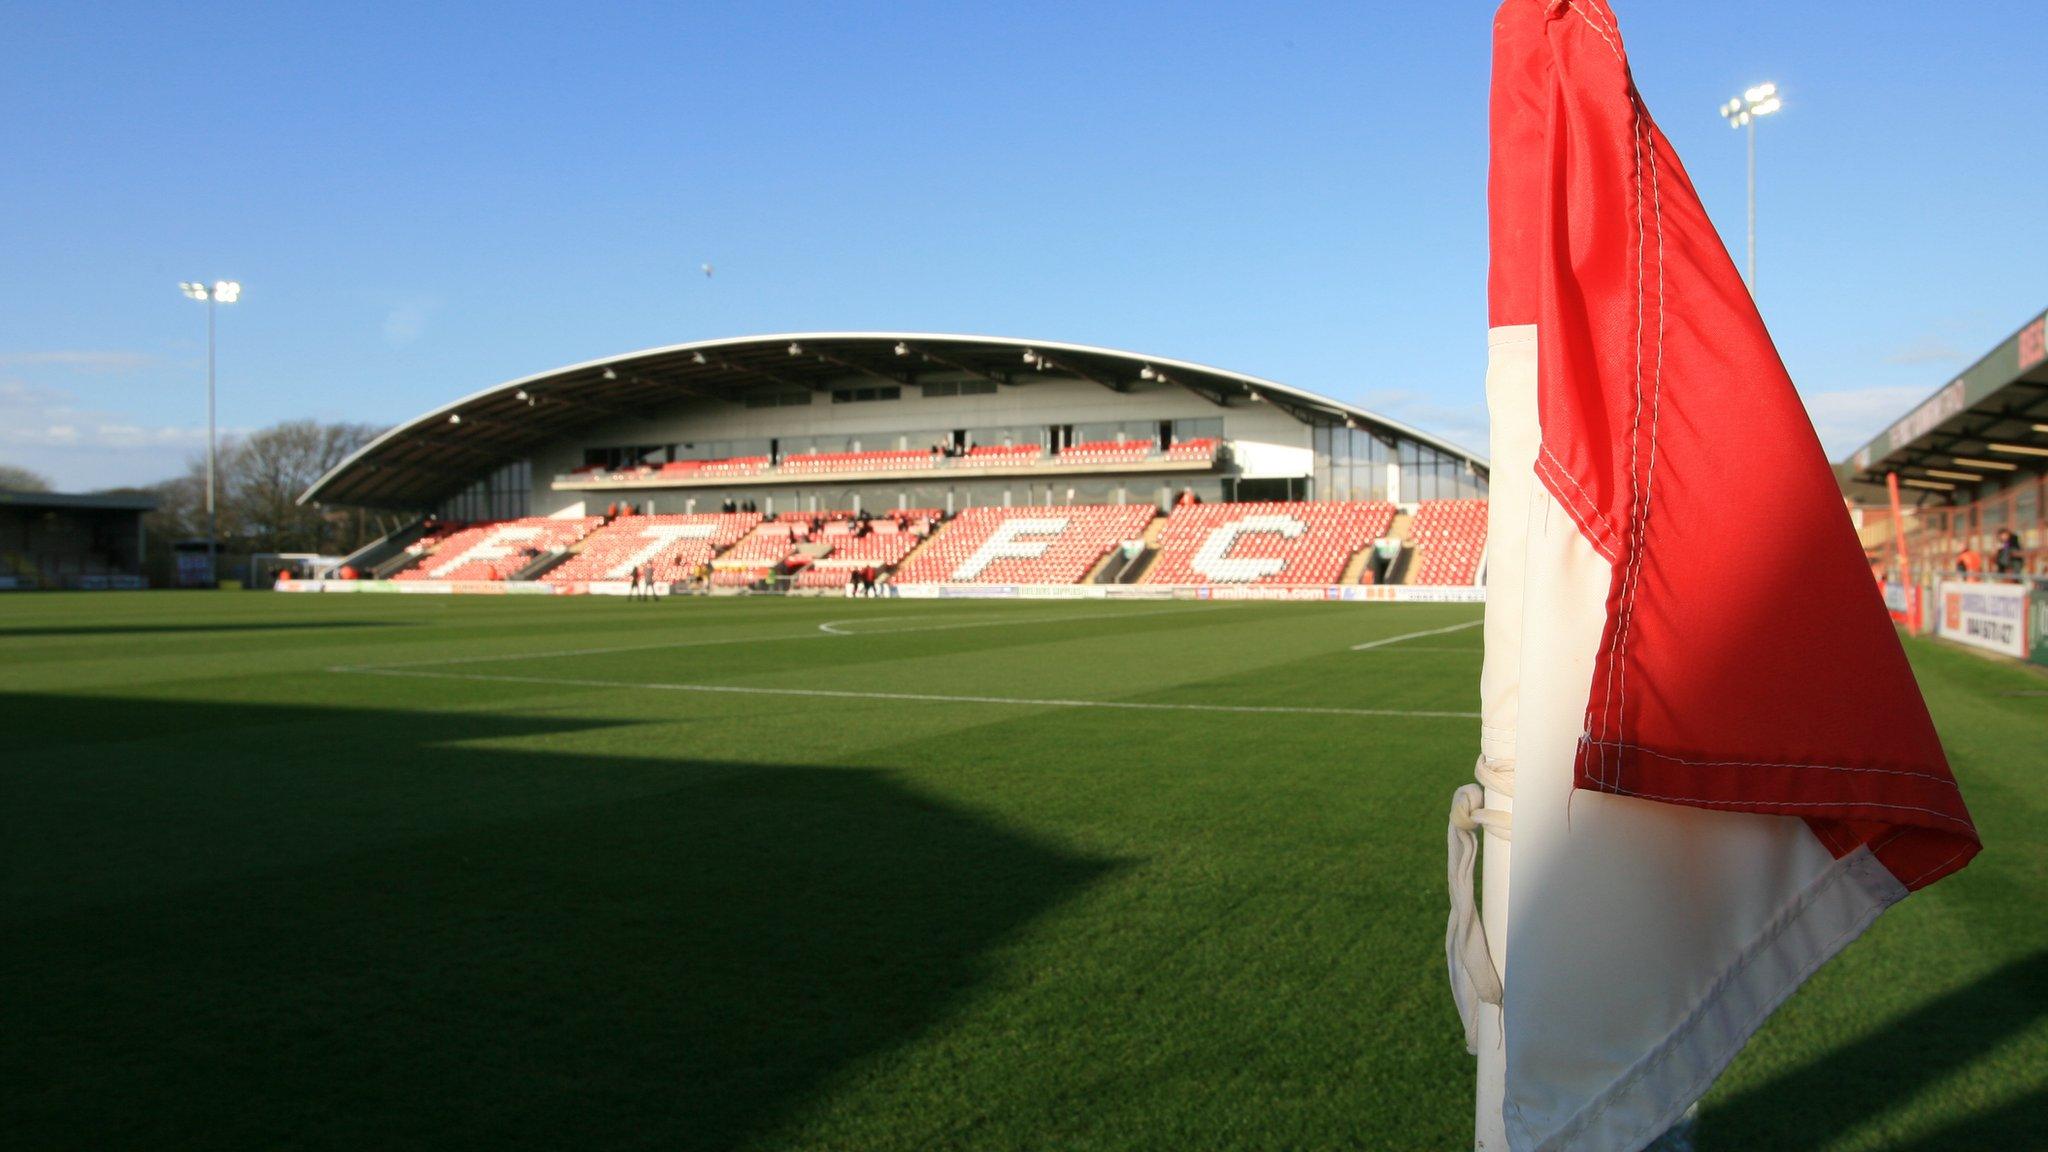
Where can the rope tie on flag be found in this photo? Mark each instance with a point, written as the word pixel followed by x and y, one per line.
pixel 1474 978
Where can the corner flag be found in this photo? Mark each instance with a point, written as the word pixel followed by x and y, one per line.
pixel 1718 767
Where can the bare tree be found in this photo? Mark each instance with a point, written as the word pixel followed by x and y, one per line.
pixel 17 479
pixel 261 476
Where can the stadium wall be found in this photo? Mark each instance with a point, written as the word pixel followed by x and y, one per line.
pixel 1271 442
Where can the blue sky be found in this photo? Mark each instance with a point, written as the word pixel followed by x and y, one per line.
pixel 422 200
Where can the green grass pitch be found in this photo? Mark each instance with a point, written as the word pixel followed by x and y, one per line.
pixel 822 874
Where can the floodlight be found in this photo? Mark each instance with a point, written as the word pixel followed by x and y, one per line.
pixel 795 349
pixel 696 357
pixel 1756 101
pixel 222 292
pixel 902 349
pixel 455 417
pixel 610 373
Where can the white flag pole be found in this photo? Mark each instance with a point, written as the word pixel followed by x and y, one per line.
pixel 1478 953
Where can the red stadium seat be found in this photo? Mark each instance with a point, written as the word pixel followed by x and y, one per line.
pixel 670 545
pixel 1450 541
pixel 824 462
pixel 496 549
pixel 1290 542
pixel 1055 545
pixel 1107 452
pixel 986 454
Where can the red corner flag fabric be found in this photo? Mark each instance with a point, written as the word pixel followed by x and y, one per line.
pixel 1747 662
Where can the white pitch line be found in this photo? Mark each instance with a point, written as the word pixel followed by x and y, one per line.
pixel 916 697
pixel 448 661
pixel 1416 635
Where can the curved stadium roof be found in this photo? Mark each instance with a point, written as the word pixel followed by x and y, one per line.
pixel 437 454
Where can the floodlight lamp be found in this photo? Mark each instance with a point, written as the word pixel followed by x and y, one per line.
pixel 1146 373
pixel 697 358
pixel 1761 92
pixel 227 291
pixel 611 373
pixel 193 289
pixel 1766 107
pixel 795 349
pixel 520 395
pixel 455 417
pixel 1031 356
pixel 902 349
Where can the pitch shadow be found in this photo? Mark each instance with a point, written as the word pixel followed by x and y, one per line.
pixel 1808 1106
pixel 685 966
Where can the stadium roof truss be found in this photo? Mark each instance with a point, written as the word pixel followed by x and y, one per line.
pixel 1998 404
pixel 420 462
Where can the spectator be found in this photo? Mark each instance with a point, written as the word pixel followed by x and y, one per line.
pixel 2007 559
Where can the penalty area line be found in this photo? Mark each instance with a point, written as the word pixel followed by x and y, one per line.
pixel 1416 635
pixel 912 697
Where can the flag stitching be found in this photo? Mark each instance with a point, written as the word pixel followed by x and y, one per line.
pixel 1922 878
pixel 1614 701
pixel 1611 45
pixel 1616 667
pixel 1772 805
pixel 1647 128
pixel 1587 524
pixel 1624 746
pixel 1617 650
